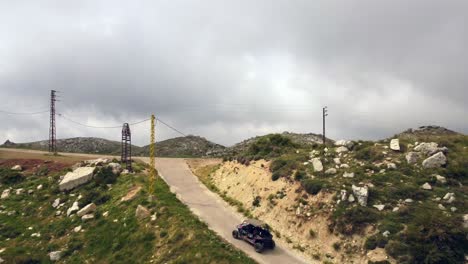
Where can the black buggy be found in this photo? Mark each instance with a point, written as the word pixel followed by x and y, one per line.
pixel 256 233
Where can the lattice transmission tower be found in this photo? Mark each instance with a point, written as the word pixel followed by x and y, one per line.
pixel 152 174
pixel 52 130
pixel 126 157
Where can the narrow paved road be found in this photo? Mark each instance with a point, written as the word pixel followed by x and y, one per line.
pixel 211 209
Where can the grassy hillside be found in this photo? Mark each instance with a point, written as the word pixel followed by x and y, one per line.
pixel 30 228
pixel 409 212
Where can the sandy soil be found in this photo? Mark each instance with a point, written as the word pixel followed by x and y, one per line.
pixel 290 212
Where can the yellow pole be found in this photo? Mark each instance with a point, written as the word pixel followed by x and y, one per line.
pixel 152 175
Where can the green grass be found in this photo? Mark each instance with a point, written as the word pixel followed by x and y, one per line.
pixel 177 236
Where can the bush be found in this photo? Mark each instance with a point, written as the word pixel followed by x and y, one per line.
pixel 256 201
pixel 270 146
pixel 299 175
pixel 353 220
pixel 275 176
pixel 97 196
pixel 105 176
pixel 336 246
pixel 312 186
pixel 8 176
pixel 312 233
pixel 369 154
pixel 375 241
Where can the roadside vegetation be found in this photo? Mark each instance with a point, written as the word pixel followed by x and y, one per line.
pixel 416 225
pixel 31 228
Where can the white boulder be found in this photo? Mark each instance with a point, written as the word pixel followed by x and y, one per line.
pixel 344 143
pixel 341 149
pixel 73 208
pixel 348 175
pixel 441 179
pixel 391 165
pixel 5 193
pixel 116 167
pixel 317 164
pixel 87 217
pixel 331 171
pixel 426 186
pixel 427 148
pixel 17 168
pixel 379 207
pixel 86 210
pixel 56 203
pixel 413 157
pixel 78 177
pixel 362 193
pixel 395 144
pixel 55 255
pixel 337 161
pixel 435 161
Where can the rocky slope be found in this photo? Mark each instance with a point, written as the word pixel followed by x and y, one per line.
pixel 400 200
pixel 95 212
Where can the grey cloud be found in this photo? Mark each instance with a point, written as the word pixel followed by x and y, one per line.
pixel 233 69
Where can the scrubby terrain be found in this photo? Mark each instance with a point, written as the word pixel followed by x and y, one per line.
pixel 398 200
pixel 108 218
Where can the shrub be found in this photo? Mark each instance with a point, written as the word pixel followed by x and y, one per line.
pixel 256 201
pixel 97 196
pixel 336 246
pixel 270 146
pixel 369 154
pixel 375 241
pixel 312 233
pixel 299 175
pixel 8 176
pixel 275 176
pixel 312 186
pixel 353 220
pixel 105 176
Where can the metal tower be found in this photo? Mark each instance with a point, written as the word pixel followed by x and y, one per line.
pixel 152 175
pixel 325 110
pixel 52 131
pixel 126 147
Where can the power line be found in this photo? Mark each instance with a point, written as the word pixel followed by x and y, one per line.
pixel 91 126
pixel 30 113
pixel 169 126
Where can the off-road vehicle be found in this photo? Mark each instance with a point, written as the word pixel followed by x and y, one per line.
pixel 256 233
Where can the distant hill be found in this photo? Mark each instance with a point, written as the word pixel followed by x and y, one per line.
pixel 189 146
pixel 426 132
pixel 76 145
pixel 308 139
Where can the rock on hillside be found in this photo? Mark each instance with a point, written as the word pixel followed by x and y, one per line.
pixel 189 146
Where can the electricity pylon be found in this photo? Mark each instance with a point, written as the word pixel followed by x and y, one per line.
pixel 152 174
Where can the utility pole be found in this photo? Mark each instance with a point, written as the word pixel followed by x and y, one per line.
pixel 325 113
pixel 152 172
pixel 126 147
pixel 52 131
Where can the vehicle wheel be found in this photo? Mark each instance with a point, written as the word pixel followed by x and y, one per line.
pixel 235 234
pixel 258 247
pixel 273 244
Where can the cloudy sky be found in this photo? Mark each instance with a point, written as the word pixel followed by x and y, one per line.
pixel 228 70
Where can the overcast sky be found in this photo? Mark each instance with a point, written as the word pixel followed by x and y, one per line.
pixel 229 70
